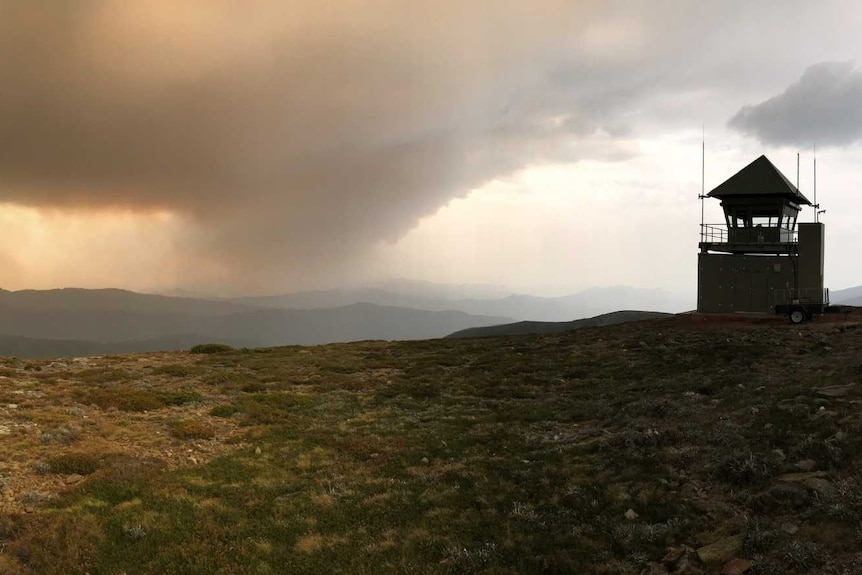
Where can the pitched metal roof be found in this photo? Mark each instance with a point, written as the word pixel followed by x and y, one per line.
pixel 759 178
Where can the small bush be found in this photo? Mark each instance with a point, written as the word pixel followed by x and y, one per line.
pixel 224 410
pixel 178 397
pixel 64 435
pixel 802 555
pixel 210 348
pixel 191 429
pixel 253 387
pixel 760 537
pixel 138 399
pixel 58 544
pixel 747 469
pixel 271 408
pixel 69 463
pixel 175 370
pixel 102 375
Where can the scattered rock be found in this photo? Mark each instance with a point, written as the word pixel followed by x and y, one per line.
pixel 783 495
pixel 821 486
pixel 677 559
pixel 631 514
pixel 835 390
pixel 801 477
pixel 11 406
pixel 736 567
pixel 73 479
pixel 673 555
pixel 257 451
pixel 789 528
pixel 425 461
pixel 721 551
pixel 4 430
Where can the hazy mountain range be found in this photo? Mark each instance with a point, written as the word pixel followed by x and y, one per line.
pixel 483 300
pixel 85 322
pixel 74 321
pixel 849 296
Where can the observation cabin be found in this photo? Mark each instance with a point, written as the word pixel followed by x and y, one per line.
pixel 761 256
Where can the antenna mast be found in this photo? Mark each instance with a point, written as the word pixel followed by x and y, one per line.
pixel 702 180
pixel 817 210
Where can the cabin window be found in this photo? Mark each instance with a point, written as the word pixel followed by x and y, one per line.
pixel 765 221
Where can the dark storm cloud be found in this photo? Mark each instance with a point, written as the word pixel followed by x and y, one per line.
pixel 823 106
pixel 290 136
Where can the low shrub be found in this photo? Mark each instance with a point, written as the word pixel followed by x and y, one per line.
pixel 175 370
pixel 191 429
pixel 224 410
pixel 77 463
pixel 210 348
pixel 138 399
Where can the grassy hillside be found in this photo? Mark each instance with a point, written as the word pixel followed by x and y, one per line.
pixel 656 446
pixel 537 327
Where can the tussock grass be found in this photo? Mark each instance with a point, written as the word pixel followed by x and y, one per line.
pixel 498 455
pixel 209 348
pixel 191 429
pixel 80 463
pixel 129 399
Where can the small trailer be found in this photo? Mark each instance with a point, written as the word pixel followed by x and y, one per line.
pixel 800 305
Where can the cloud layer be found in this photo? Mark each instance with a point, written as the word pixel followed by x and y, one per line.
pixel 823 106
pixel 264 141
pixel 290 135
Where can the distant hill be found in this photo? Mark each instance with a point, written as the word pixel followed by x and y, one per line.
pixel 849 296
pixel 73 321
pixel 588 303
pixel 110 299
pixel 543 327
pixel 84 322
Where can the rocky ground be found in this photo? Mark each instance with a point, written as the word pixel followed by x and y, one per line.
pixel 686 445
pixel 45 415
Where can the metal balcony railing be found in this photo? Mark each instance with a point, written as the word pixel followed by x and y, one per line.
pixel 720 234
pixel 713 233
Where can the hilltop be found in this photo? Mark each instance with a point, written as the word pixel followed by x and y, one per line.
pixel 668 445
pixel 535 327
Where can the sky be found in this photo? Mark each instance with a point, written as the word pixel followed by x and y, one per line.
pixel 231 147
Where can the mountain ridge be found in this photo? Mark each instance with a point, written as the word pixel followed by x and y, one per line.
pixel 547 327
pixel 71 321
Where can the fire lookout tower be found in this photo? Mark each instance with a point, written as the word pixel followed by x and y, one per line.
pixel 760 259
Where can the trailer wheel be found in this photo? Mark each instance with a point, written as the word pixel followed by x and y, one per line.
pixel 797 316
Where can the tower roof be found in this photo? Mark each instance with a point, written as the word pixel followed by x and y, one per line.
pixel 759 178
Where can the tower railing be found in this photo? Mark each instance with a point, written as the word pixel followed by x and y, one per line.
pixel 713 233
pixel 719 234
